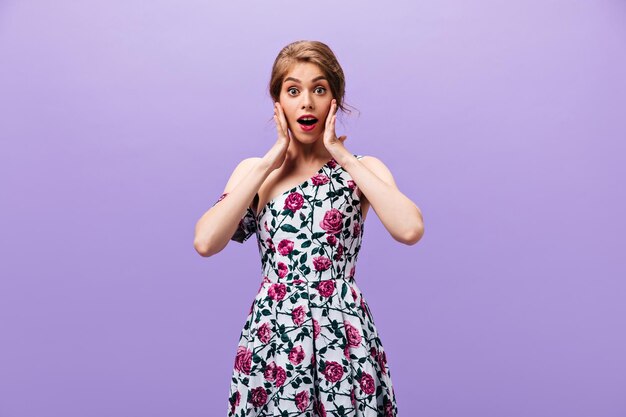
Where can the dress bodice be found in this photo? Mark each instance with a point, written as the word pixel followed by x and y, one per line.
pixel 312 231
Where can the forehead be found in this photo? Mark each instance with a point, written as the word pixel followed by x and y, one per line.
pixel 304 72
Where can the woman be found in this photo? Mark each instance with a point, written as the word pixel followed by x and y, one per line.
pixel 309 345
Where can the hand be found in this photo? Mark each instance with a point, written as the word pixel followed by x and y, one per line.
pixel 331 142
pixel 276 155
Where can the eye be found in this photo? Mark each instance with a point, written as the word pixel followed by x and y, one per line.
pixel 320 88
pixel 290 89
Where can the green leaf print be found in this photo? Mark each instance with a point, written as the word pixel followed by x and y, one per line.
pixel 288 228
pixel 303 305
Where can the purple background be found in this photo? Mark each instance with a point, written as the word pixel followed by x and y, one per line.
pixel 120 122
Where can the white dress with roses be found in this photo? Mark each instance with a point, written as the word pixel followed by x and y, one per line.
pixel 309 346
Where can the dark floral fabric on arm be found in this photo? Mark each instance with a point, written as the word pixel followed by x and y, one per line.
pixel 247 224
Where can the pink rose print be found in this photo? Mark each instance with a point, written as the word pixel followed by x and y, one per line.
pixel 332 163
pixel 321 263
pixel 277 291
pixel 316 329
pixel 270 371
pixel 337 256
pixel 259 396
pixel 382 360
pixel 282 269
pixel 367 383
pixel 388 409
pixel 333 371
pixel 264 332
pixel 275 373
pixel 326 287
pixel 263 282
pixel 294 202
pixel 243 360
pixel 296 355
pixel 281 376
pixel 352 333
pixel 373 352
pixel 320 179
pixel 364 307
pixel 302 400
pixel 333 221
pixel 297 315
pixel 285 247
pixel 234 401
pixel 319 409
pixel 308 242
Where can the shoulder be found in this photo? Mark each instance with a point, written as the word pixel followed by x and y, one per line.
pixel 379 168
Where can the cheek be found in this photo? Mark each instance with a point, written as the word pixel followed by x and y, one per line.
pixel 287 109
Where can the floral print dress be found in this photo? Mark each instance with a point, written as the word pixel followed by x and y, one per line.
pixel 309 346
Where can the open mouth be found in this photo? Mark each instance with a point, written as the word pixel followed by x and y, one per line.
pixel 307 121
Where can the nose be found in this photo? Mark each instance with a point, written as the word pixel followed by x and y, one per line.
pixel 307 101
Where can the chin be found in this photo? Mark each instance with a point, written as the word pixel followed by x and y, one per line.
pixel 306 138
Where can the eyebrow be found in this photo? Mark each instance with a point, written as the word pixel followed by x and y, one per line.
pixel 321 77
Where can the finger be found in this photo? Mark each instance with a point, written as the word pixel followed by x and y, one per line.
pixel 284 124
pixel 281 115
pixel 330 115
pixel 279 119
pixel 277 110
pixel 280 109
pixel 278 127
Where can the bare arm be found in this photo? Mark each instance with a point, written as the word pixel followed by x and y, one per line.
pixel 216 227
pixel 400 216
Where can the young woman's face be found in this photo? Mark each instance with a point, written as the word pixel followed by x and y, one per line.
pixel 305 90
